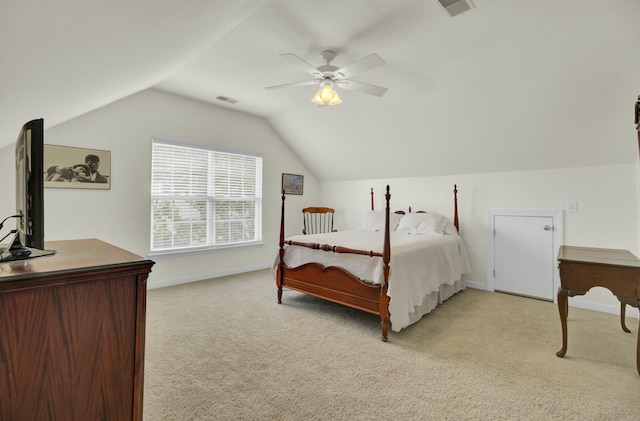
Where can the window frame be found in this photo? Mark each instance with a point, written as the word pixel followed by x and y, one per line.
pixel 211 199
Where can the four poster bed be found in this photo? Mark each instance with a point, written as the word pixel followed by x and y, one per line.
pixel 429 260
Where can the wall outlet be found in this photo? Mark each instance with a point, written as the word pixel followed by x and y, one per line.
pixel 572 207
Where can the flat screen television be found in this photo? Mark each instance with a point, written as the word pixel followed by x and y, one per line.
pixel 29 233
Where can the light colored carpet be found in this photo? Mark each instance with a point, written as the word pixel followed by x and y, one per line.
pixel 223 349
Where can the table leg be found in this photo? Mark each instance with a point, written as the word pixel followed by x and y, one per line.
pixel 623 308
pixel 638 351
pixel 563 309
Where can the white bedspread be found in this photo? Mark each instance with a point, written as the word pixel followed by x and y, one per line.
pixel 420 264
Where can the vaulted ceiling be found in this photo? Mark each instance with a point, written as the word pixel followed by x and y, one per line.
pixel 507 85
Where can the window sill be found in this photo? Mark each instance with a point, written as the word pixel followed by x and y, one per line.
pixel 203 249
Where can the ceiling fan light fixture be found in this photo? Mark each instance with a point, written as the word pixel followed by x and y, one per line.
pixel 326 95
pixel 329 76
pixel 336 99
pixel 316 99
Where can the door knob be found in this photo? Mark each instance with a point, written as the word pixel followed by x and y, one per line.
pixel 547 227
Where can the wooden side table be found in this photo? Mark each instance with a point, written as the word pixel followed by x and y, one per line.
pixel 582 268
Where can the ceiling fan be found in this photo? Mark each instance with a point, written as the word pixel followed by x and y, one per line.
pixel 329 77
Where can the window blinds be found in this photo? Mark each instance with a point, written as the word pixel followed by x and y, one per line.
pixel 204 198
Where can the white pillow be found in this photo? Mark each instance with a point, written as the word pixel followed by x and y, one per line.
pixel 374 221
pixel 422 223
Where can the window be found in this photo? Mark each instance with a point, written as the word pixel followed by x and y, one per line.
pixel 204 198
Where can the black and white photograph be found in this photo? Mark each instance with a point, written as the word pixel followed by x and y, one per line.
pixel 76 168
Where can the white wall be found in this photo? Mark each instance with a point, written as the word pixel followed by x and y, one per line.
pixel 121 216
pixel 606 195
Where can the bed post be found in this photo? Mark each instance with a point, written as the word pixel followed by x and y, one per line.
pixel 386 258
pixel 281 260
pixel 372 207
pixel 455 207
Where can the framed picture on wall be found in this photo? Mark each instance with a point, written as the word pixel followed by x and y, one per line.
pixel 76 168
pixel 292 183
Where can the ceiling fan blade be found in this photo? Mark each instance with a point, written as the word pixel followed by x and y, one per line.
pixel 362 87
pixel 287 85
pixel 367 63
pixel 297 61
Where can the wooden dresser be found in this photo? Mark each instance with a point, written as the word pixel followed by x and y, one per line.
pixel 72 332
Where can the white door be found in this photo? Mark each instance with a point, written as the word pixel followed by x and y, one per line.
pixel 524 255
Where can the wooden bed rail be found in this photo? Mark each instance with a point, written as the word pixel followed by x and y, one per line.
pixel 339 249
pixel 386 253
pixel 335 249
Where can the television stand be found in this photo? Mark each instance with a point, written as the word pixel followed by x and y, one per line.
pixel 72 333
pixel 8 255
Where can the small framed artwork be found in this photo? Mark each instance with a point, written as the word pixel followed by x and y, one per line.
pixel 76 168
pixel 292 183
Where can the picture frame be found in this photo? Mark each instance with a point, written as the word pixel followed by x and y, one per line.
pixel 69 167
pixel 292 183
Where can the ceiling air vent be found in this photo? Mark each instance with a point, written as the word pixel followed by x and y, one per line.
pixel 455 7
pixel 227 99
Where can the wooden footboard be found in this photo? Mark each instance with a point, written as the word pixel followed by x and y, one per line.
pixel 335 283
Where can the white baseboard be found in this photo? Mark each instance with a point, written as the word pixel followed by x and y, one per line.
pixel 172 282
pixel 603 308
pixel 475 285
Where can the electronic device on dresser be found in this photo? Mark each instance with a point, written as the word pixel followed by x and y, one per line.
pixel 28 241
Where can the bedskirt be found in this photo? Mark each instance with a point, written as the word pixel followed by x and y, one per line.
pixel 432 301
